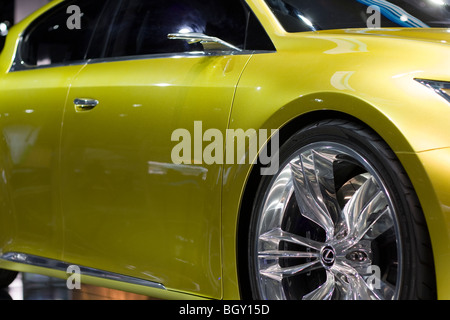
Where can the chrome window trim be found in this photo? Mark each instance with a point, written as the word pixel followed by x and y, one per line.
pixel 37 261
pixel 193 54
pixel 19 65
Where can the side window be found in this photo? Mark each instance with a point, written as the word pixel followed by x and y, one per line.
pixel 60 36
pixel 142 26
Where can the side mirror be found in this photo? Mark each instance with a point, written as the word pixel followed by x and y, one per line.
pixel 207 41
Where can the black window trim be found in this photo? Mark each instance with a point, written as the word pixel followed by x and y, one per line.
pixel 20 65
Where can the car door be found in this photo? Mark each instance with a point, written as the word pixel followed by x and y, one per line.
pixel 32 99
pixel 128 208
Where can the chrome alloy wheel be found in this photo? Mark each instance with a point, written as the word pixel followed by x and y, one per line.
pixel 327 229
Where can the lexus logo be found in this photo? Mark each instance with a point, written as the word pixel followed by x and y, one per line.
pixel 328 256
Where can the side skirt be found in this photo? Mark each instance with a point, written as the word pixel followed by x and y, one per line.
pixel 63 266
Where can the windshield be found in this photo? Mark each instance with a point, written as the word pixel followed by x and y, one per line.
pixel 312 15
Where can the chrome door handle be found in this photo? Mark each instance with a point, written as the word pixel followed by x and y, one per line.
pixel 85 104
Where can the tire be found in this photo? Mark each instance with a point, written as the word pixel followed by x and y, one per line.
pixel 6 278
pixel 339 221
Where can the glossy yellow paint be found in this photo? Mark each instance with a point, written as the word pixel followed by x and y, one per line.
pixel 365 74
pixel 31 113
pixel 98 188
pixel 148 217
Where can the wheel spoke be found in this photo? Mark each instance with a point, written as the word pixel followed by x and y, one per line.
pixel 277 235
pixel 385 290
pixel 314 188
pixel 366 207
pixel 272 289
pixel 361 290
pixel 277 254
pixel 325 291
pixel 278 273
pixel 323 163
pixel 380 224
pixel 351 285
pixel 277 200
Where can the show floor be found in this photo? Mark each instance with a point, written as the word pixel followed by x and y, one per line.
pixel 37 287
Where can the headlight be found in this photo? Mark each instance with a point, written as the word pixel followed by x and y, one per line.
pixel 440 87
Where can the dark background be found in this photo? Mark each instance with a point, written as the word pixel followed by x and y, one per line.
pixel 14 11
pixel 7 10
pixel 6 15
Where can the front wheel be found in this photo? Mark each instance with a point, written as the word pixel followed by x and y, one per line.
pixel 339 220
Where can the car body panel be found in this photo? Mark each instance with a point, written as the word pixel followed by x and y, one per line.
pixel 324 78
pixel 104 166
pixel 31 119
pixel 120 189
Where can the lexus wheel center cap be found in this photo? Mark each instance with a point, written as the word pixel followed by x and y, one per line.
pixel 328 256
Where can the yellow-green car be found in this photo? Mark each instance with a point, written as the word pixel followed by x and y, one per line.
pixel 128 151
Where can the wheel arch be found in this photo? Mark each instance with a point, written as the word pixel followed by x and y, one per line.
pixel 252 183
pixel 240 183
